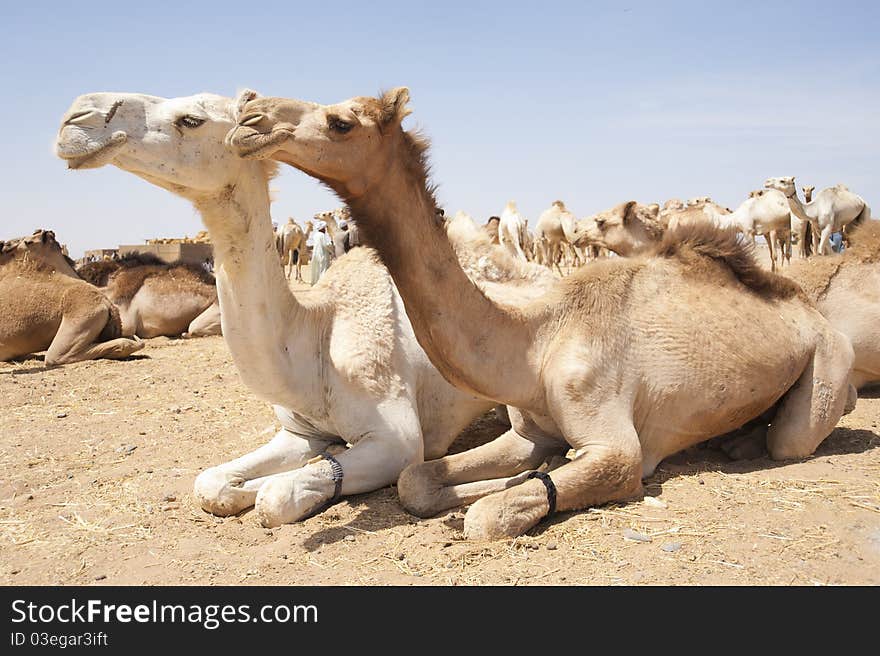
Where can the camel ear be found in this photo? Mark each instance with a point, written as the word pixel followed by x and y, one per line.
pixel 654 210
pixel 242 98
pixel 394 105
pixel 629 212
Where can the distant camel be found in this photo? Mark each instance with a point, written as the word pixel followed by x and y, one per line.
pixel 46 307
pixel 156 298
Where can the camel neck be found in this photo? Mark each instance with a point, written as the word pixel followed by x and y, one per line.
pixel 801 211
pixel 263 322
pixel 476 345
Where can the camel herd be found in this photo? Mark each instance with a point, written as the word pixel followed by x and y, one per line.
pixel 373 372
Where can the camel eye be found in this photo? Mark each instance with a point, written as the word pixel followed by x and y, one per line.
pixel 190 122
pixel 600 223
pixel 338 125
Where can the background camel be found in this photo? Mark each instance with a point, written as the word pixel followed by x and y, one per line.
pixel 339 361
pixel 845 289
pixel 46 307
pixel 491 229
pixel 290 240
pixel 626 361
pixel 512 230
pixel 554 233
pixel 764 213
pixel 830 211
pixel 156 298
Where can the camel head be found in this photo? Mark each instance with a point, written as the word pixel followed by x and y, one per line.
pixel 348 146
pixel 785 185
pixel 559 204
pixel 808 191
pixel 41 249
pixel 622 229
pixel 175 143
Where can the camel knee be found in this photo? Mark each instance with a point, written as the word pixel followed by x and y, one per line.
pixel 417 488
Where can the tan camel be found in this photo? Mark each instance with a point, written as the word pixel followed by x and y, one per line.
pixel 339 361
pixel 626 361
pixel 627 229
pixel 46 307
pixel 290 240
pixel 830 211
pixel 156 298
pixel 845 289
pixel 491 229
pixel 553 235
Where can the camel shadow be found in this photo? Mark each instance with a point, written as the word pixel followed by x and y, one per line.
pixel 19 371
pixel 381 510
pixel 872 392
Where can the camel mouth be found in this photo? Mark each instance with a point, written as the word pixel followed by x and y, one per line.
pixel 94 157
pixel 250 144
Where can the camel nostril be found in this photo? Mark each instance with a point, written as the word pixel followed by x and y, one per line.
pixel 78 116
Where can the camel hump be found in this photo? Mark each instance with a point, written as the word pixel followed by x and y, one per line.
pixel 725 246
pixel 865 241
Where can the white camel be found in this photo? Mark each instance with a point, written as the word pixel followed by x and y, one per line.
pixel 765 213
pixel 512 231
pixel 340 362
pixel 830 211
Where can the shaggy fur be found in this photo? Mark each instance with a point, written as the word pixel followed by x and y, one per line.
pixel 707 241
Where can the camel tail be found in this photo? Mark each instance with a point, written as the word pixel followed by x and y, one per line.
pixel 864 215
pixel 113 327
pixel 726 246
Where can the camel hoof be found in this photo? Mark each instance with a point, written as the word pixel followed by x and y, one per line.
pixel 221 495
pixel 746 447
pixel 494 518
pixel 415 491
pixel 290 498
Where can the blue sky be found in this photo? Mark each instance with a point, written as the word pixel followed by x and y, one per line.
pixel 591 102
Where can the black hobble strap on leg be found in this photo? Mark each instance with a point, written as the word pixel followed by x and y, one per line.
pixel 551 490
pixel 337 475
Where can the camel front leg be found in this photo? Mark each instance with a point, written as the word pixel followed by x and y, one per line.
pixel 609 469
pixel 207 323
pixel 76 340
pixel 825 240
pixel 810 410
pixel 229 488
pixel 437 485
pixel 373 462
pixel 769 237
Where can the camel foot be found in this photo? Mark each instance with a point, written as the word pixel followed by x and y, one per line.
pixel 288 498
pixel 747 445
pixel 506 514
pixel 221 494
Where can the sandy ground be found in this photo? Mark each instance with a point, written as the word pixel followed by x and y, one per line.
pixel 97 461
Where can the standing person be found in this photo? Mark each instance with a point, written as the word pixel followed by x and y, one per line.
pixel 322 251
pixel 353 238
pixel 340 238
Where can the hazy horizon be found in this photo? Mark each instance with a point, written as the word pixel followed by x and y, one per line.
pixel 593 103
